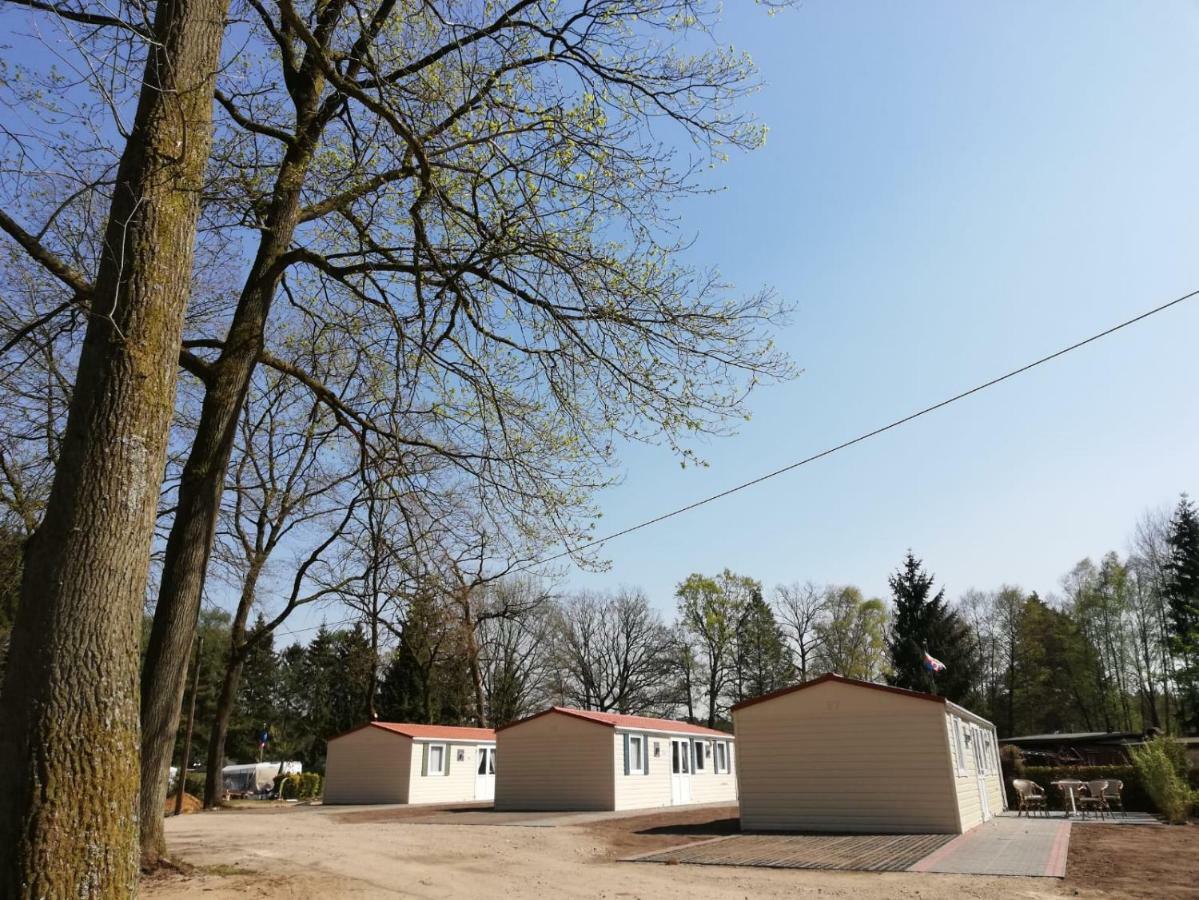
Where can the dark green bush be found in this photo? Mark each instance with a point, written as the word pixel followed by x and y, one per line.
pixel 194 783
pixel 310 785
pixel 287 787
pixel 1135 794
pixel 1011 761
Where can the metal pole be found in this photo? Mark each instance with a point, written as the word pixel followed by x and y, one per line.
pixel 187 741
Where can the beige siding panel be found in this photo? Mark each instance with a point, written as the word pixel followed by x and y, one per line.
pixel 367 766
pixel 837 757
pixel 554 762
pixel 457 785
pixel 967 786
pixel 708 787
pixel 653 790
pixel 642 791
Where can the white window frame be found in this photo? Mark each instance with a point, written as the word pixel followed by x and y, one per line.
pixel 445 759
pixel 960 743
pixel 720 758
pixel 697 758
pixel 638 769
pixel 992 753
pixel 488 761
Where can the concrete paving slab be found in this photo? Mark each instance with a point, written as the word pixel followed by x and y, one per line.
pixel 1005 846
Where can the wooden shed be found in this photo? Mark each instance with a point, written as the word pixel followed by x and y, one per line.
pixel 397 762
pixel 572 759
pixel 839 755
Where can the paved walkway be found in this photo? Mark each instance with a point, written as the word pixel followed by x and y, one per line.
pixel 1003 846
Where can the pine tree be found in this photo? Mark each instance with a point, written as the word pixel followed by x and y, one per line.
pixel 762 661
pixel 426 679
pixel 256 692
pixel 1182 595
pixel 924 623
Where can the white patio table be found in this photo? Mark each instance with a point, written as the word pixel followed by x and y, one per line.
pixel 1069 787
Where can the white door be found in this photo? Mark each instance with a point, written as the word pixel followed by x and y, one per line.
pixel 680 772
pixel 980 773
pixel 485 773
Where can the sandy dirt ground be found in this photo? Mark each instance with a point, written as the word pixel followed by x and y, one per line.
pixel 1150 863
pixel 315 852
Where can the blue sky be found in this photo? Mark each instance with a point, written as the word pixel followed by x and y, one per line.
pixel 948 191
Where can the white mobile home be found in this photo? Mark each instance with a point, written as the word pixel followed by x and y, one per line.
pixel 254 778
pixel 840 755
pixel 571 759
pixel 396 762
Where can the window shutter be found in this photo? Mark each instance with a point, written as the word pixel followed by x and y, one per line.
pixel 626 754
pixel 728 756
pixel 645 754
pixel 449 754
pixel 424 760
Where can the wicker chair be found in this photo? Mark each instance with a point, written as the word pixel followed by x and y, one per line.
pixel 1112 796
pixel 1093 799
pixel 1030 796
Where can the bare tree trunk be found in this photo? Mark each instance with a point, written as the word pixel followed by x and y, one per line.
pixel 181 786
pixel 234 662
pixel 190 541
pixel 220 732
pixel 69 713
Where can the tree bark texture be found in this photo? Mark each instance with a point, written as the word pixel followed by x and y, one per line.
pixel 238 649
pixel 189 544
pixel 181 782
pixel 69 708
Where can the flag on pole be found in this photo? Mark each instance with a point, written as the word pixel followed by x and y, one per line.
pixel 263 738
pixel 933 664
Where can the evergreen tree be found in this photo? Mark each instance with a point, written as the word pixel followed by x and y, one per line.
pixel 256 702
pixel 1182 595
pixel 763 663
pixel 427 678
pixel 1052 659
pixel 213 629
pixel 924 623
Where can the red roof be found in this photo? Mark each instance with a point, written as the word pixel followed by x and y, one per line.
pixel 839 679
pixel 616 720
pixel 430 732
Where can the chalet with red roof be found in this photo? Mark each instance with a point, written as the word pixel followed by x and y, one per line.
pixel 398 762
pixel 573 759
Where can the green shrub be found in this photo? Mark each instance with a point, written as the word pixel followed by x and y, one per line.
pixel 1135 792
pixel 287 787
pixel 194 783
pixel 1161 765
pixel 1011 762
pixel 310 785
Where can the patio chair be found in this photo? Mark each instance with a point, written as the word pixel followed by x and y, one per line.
pixel 1030 796
pixel 1112 796
pixel 1093 800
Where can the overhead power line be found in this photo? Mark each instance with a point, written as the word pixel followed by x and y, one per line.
pixel 869 434
pixel 823 453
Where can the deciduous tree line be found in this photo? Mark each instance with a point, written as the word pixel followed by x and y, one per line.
pixel 1112 651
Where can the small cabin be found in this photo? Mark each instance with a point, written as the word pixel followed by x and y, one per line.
pixel 573 759
pixel 398 762
pixel 839 755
